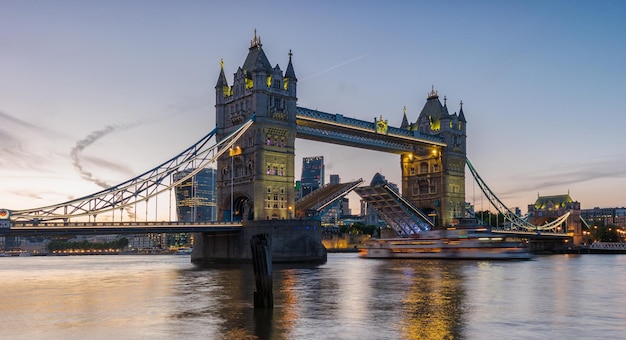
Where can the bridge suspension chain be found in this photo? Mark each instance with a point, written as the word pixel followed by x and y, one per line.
pixel 517 221
pixel 143 187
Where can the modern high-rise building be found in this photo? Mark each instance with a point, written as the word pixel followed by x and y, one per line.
pixel 312 174
pixel 195 197
pixel 337 209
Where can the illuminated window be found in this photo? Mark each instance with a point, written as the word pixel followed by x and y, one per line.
pixel 423 167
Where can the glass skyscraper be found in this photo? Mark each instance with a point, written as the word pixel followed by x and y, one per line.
pixel 195 197
pixel 312 174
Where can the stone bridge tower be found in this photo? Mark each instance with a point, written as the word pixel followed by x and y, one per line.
pixel 256 178
pixel 434 178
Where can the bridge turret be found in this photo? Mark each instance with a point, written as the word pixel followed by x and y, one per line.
pixel 256 181
pixel 405 121
pixel 222 93
pixel 290 81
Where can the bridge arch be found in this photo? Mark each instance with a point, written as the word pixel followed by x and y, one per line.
pixel 241 210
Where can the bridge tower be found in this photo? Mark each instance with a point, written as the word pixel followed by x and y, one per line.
pixel 256 178
pixel 255 181
pixel 549 208
pixel 434 178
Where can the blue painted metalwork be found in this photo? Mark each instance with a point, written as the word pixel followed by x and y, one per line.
pixel 338 129
pixel 141 188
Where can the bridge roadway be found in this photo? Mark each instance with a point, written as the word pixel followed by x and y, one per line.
pixel 108 228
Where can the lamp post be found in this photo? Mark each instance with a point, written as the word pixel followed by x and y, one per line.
pixel 233 152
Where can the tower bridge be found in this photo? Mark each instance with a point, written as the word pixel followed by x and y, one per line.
pixel 257 123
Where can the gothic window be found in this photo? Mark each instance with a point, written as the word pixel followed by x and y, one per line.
pixel 412 171
pixel 423 186
pixel 434 183
pixel 423 167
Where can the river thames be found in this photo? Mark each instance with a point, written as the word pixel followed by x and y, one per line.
pixel 167 297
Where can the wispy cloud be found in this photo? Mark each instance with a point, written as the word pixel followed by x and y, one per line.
pixel 76 155
pixel 14 136
pixel 569 174
pixel 77 150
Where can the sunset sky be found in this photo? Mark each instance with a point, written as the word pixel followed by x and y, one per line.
pixel 93 93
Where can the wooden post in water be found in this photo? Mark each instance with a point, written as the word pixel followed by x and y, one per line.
pixel 261 247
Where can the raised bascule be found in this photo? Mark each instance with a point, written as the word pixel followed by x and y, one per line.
pixel 257 124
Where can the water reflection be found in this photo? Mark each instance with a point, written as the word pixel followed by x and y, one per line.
pixel 368 299
pixel 137 297
pixel 423 298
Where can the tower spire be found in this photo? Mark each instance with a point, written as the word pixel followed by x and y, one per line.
pixel 256 42
pixel 433 93
pixel 289 73
pixel 405 121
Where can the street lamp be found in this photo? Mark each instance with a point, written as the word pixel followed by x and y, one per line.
pixel 233 152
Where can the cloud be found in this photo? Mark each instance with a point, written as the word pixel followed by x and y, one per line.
pixel 570 174
pixel 103 163
pixel 7 119
pixel 77 159
pixel 14 136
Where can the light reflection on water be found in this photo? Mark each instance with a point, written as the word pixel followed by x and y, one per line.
pixel 131 297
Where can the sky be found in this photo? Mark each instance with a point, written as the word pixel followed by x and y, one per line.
pixel 93 93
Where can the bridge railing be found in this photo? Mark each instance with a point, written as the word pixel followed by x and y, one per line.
pixel 608 245
pixel 35 224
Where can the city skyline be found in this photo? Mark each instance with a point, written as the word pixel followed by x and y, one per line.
pixel 92 94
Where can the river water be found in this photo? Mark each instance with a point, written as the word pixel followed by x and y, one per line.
pixel 167 297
